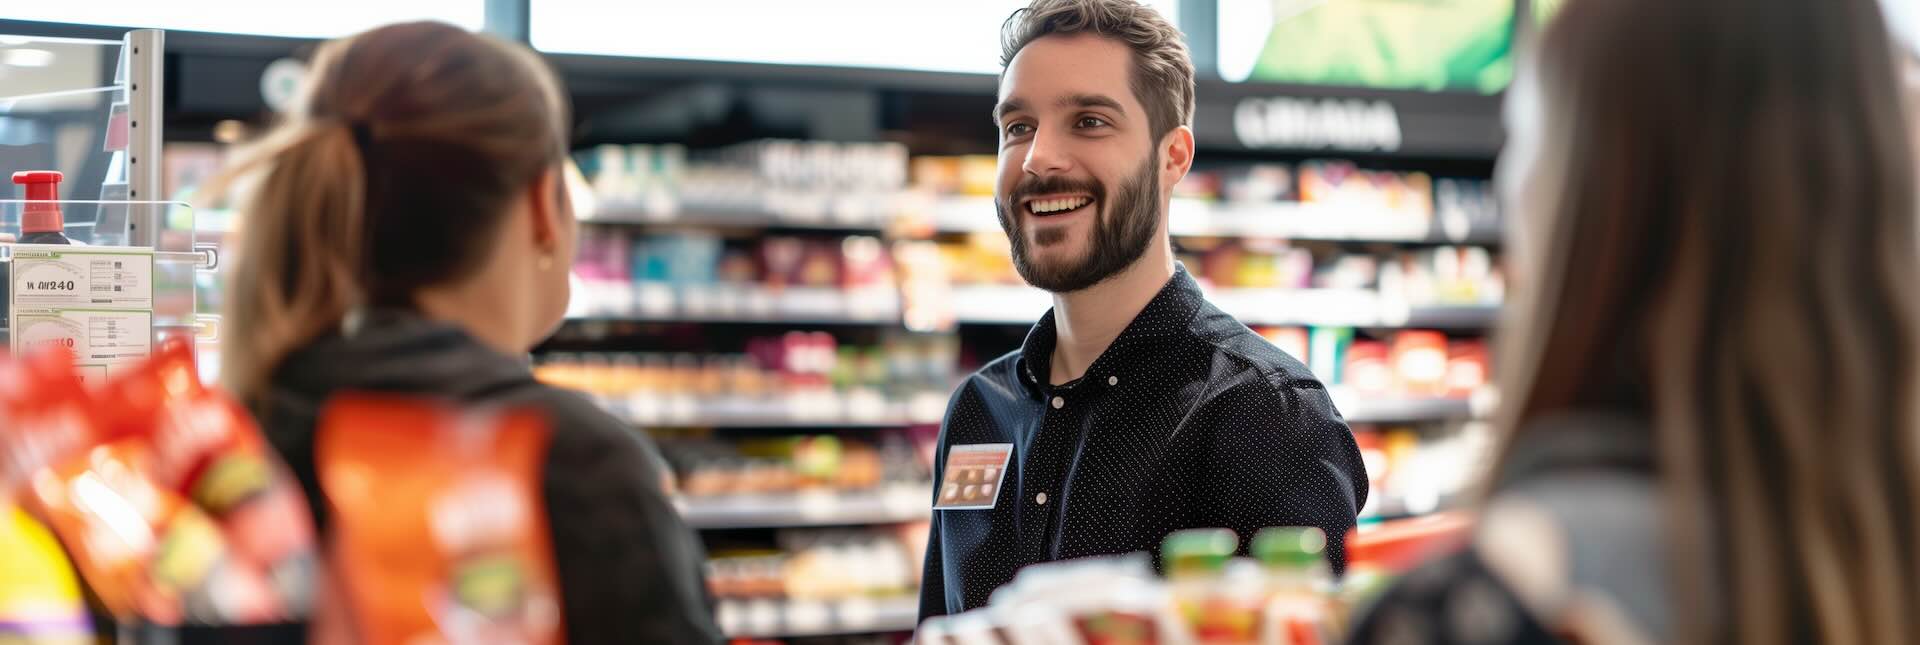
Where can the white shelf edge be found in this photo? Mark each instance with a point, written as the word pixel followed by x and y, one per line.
pixel 899 614
pixel 885 506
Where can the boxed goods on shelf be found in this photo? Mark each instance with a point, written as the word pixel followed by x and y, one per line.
pixel 793 464
pixel 816 582
pixel 797 377
pixel 765 182
pixel 1405 364
pixel 1412 472
pixel 698 276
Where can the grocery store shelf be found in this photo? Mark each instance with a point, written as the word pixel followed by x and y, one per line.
pixel 890 505
pixel 790 423
pixel 741 219
pixel 795 306
pixel 722 319
pixel 1195 218
pixel 800 619
pixel 825 410
pixel 1013 305
pixel 1383 411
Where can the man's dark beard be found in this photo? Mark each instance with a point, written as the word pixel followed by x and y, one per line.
pixel 1117 240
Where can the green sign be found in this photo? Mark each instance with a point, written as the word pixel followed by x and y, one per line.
pixel 1427 45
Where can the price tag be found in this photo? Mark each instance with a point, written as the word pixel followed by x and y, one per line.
pixel 50 276
pixel 94 301
pixel 102 341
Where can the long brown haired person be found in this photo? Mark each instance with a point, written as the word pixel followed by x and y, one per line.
pixel 408 231
pixel 1710 376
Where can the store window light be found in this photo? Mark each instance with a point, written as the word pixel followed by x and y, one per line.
pixel 293 19
pixel 925 35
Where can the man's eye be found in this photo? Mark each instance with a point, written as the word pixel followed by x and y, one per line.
pixel 1092 122
pixel 1018 129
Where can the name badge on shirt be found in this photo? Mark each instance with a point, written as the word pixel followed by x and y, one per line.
pixel 973 476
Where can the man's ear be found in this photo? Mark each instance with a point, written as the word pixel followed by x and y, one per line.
pixel 1176 155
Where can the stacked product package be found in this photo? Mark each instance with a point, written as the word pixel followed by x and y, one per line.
pixel 1285 594
pixel 162 493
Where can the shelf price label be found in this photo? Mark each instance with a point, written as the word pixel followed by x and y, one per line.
pixel 55 276
pixel 94 301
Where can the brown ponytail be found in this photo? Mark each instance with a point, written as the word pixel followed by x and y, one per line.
pixel 1727 245
pixel 397 168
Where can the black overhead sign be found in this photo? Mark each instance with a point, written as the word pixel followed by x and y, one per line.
pixel 1311 119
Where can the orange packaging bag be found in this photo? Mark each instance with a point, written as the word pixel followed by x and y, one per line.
pixel 438 529
pixel 208 449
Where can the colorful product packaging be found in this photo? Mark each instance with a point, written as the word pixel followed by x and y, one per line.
pixel 207 448
pixel 439 529
pixel 148 554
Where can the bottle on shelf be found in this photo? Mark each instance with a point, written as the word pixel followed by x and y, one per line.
pixel 40 223
pixel 40 219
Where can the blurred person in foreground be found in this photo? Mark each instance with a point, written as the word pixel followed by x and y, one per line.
pixel 1709 386
pixel 1134 408
pixel 408 231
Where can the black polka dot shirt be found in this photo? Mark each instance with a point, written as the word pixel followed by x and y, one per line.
pixel 1188 420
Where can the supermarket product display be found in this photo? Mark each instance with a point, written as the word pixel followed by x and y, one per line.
pixel 1413 471
pixel 1383 282
pixel 765 182
pixel 1282 595
pixel 814 581
pixel 796 377
pixel 693 275
pixel 160 490
pixel 1314 199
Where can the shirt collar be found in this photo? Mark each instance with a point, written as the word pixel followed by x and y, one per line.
pixel 1164 319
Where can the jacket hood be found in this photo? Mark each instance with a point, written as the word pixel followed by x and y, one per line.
pixel 397 352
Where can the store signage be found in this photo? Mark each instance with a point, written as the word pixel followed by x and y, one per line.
pixel 1337 124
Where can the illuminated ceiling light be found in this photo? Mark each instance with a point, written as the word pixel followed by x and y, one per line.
pixel 26 57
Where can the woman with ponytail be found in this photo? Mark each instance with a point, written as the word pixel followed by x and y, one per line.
pixel 1711 370
pixel 408 231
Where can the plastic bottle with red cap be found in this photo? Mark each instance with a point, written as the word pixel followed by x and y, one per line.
pixel 40 220
pixel 40 223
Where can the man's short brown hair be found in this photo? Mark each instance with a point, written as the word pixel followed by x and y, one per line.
pixel 1162 78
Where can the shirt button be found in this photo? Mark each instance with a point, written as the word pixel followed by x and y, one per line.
pixel 1040 499
pixel 1113 380
pixel 1057 404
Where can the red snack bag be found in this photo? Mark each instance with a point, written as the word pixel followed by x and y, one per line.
pixel 144 551
pixel 439 532
pixel 208 449
pixel 44 415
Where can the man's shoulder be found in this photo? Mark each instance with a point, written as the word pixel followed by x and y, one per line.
pixel 1218 333
pixel 999 376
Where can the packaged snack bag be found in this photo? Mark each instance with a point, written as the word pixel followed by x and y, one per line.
pixel 1094 601
pixel 439 531
pixel 44 415
pixel 146 553
pixel 208 449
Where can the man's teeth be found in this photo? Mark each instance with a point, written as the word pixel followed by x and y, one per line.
pixel 1057 205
